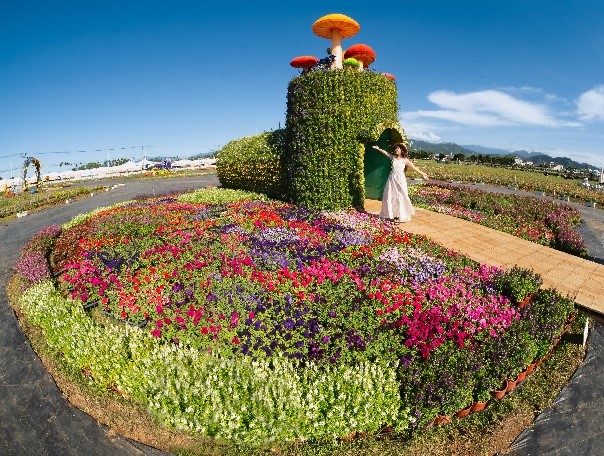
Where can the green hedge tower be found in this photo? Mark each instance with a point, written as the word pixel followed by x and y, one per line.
pixel 334 116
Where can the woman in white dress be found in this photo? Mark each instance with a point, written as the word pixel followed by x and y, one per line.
pixel 396 205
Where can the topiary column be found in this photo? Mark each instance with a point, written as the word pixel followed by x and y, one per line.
pixel 331 115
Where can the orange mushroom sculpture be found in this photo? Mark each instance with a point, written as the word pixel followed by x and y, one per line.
pixel 336 27
pixel 363 53
pixel 306 62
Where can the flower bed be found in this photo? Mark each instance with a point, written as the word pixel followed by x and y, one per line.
pixel 259 321
pixel 544 222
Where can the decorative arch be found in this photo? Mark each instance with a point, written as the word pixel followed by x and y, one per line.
pixel 397 133
pixel 33 161
pixel 376 166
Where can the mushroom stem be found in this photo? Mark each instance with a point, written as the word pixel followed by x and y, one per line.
pixel 336 49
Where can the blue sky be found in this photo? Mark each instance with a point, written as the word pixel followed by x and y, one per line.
pixel 85 81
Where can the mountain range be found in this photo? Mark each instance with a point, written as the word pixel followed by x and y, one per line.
pixel 471 149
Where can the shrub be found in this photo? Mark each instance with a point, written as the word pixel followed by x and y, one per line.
pixel 254 163
pixel 545 316
pixel 518 283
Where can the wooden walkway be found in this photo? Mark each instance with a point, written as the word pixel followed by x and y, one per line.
pixel 580 279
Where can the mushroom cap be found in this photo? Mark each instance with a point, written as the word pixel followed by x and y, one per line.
pixel 389 76
pixel 304 61
pixel 325 25
pixel 362 53
pixel 352 62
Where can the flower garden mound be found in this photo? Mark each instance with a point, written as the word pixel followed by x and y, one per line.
pixel 230 316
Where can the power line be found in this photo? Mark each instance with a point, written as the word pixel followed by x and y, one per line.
pixel 25 154
pixel 110 149
pixel 106 150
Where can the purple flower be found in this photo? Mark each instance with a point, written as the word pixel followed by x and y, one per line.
pixel 33 266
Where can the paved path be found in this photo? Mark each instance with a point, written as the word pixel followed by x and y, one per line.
pixel 35 419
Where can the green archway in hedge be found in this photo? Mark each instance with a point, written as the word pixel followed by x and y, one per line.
pixel 376 165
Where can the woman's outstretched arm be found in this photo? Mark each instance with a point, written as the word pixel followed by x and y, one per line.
pixel 387 154
pixel 416 169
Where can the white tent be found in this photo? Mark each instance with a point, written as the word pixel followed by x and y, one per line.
pixel 185 163
pixel 128 166
pixel 145 164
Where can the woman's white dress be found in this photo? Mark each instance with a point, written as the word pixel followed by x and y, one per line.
pixel 395 200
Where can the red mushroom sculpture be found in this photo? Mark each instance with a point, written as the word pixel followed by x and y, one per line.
pixel 363 53
pixel 306 62
pixel 335 27
pixel 389 76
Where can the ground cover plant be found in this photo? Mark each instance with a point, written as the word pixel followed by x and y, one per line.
pixel 249 320
pixel 11 205
pixel 545 222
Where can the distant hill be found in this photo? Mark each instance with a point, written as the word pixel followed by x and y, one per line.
pixel 471 149
pixel 209 154
pixel 486 150
pixel 441 148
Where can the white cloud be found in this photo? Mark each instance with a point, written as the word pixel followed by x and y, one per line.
pixel 464 117
pixel 590 104
pixel 419 130
pixel 424 136
pixel 490 107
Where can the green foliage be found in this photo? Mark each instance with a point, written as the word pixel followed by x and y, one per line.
pixel 254 163
pixel 523 179
pixel 29 202
pixel 330 116
pixel 213 195
pixel 441 384
pixel 545 316
pixel 508 355
pixel 518 283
